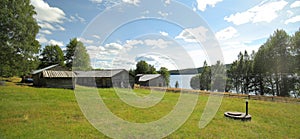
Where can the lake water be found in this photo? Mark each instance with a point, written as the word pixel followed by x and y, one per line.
pixel 183 81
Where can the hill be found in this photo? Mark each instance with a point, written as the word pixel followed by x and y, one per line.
pixel 191 70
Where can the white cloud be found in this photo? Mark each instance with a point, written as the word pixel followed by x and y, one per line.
pixel 163 14
pixel 86 41
pixel 295 4
pixel 226 33
pixel 45 32
pixel 193 34
pixel 133 42
pixel 96 36
pixel 81 19
pixel 76 18
pixel 202 4
pixel 157 60
pixel 231 50
pixel 54 42
pixel 92 48
pixel 46 26
pixel 293 20
pixel 289 13
pixel 60 28
pixel 160 43
pixel 96 51
pixel 47 13
pixel 164 33
pixel 42 39
pixel 167 1
pixel 96 1
pixel 135 2
pixel 264 12
pixel 113 46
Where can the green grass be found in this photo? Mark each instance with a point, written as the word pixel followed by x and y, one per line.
pixel 28 112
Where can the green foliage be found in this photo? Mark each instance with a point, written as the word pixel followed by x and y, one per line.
pixel 70 52
pixel 296 49
pixel 176 84
pixel 205 77
pixel 131 72
pixel 278 64
pixel 77 57
pixel 152 70
pixel 166 74
pixel 202 81
pixel 272 70
pixel 195 82
pixel 52 54
pixel 218 77
pixel 18 46
pixel 142 67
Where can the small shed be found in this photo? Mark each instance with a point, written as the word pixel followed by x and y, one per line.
pixel 105 78
pixel 152 80
pixel 53 76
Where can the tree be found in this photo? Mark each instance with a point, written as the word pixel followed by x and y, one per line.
pixel 76 56
pixel 151 70
pixel 52 54
pixel 296 62
pixel 18 46
pixel 259 70
pixel 131 72
pixel 218 77
pixel 195 82
pixel 205 77
pixel 166 74
pixel 278 48
pixel 142 67
pixel 176 84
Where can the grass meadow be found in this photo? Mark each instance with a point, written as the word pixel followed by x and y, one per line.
pixel 28 112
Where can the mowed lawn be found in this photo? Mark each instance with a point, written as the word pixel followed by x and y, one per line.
pixel 28 112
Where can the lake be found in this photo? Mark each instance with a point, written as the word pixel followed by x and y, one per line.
pixel 183 81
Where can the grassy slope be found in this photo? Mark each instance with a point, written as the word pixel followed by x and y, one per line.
pixel 53 113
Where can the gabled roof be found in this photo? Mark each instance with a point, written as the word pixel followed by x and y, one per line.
pixel 147 77
pixel 40 70
pixel 101 73
pixel 58 74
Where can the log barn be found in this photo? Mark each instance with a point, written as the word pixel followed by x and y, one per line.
pixel 53 76
pixel 56 76
pixel 152 80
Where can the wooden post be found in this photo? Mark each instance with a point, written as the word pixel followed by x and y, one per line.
pixel 246 107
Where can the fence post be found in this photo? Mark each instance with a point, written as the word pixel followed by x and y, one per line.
pixel 246 107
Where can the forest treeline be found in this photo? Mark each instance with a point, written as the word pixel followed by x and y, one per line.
pixel 273 70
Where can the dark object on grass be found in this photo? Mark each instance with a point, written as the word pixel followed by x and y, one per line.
pixel 2 83
pixel 239 115
pixel 27 80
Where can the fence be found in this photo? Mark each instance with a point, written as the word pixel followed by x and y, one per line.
pixel 226 94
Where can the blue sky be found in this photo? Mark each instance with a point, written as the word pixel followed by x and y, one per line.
pixel 174 34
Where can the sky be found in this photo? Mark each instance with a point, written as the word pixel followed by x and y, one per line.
pixel 176 34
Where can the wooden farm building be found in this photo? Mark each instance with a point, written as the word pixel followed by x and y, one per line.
pixel 57 77
pixel 151 80
pixel 119 78
pixel 53 76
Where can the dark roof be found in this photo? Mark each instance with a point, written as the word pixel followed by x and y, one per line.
pixel 101 73
pixel 147 77
pixel 40 70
